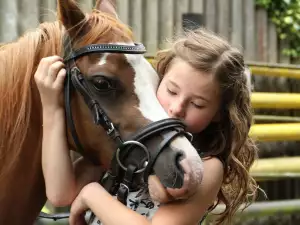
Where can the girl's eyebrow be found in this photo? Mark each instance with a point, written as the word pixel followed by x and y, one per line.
pixel 195 95
pixel 201 97
pixel 173 83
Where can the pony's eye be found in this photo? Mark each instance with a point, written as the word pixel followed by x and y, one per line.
pixel 102 84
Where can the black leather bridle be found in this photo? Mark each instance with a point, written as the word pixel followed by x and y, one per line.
pixel 119 178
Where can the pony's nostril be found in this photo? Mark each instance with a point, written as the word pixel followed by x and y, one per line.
pixel 185 166
pixel 179 157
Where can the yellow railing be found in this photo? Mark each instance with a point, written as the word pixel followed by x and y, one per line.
pixel 262 100
pixel 276 132
pixel 274 70
pixel 274 168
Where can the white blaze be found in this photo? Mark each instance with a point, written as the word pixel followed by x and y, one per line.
pixel 146 83
pixel 103 59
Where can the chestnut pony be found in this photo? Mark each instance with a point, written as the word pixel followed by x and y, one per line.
pixel 123 84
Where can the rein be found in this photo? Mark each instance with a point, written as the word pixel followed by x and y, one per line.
pixel 119 178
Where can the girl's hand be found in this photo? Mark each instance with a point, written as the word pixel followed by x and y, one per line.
pixel 49 78
pixel 78 208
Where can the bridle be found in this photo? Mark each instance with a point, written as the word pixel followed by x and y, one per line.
pixel 119 178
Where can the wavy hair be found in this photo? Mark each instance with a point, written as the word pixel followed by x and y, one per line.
pixel 227 139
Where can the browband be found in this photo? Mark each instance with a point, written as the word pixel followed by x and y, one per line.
pixel 137 48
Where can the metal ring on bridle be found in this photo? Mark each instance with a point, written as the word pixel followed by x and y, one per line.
pixel 132 143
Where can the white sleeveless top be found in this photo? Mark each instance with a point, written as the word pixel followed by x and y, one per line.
pixel 138 201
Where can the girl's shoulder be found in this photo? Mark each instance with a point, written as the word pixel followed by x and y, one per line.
pixel 200 203
pixel 217 160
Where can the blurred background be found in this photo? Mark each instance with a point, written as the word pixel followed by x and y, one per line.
pixel 267 31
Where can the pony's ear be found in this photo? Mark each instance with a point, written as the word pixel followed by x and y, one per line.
pixel 70 15
pixel 107 6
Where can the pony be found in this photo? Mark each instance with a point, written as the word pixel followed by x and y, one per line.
pixel 133 106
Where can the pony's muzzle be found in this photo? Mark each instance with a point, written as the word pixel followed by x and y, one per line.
pixel 169 168
pixel 179 168
pixel 184 184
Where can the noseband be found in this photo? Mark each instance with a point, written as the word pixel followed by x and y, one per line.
pixel 119 178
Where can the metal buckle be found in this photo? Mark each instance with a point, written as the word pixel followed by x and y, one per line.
pixel 111 129
pixel 132 143
pixel 124 186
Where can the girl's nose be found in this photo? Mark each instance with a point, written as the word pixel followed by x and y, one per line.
pixel 177 110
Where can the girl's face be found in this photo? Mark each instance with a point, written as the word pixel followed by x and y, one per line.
pixel 189 94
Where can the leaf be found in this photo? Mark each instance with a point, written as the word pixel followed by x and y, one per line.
pixel 285 14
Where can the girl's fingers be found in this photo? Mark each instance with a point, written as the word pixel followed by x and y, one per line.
pixel 157 191
pixel 59 82
pixel 53 71
pixel 44 65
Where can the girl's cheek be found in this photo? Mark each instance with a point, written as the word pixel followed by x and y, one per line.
pixel 163 101
pixel 195 124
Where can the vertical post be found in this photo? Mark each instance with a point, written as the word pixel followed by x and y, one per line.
pixel 8 20
pixel 250 32
pixel 237 23
pixel 262 32
pixel 123 10
pixel 223 25
pixel 181 7
pixel 47 10
pixel 151 26
pixel 197 6
pixel 136 19
pixel 166 22
pixel 272 43
pixel 211 16
pixel 28 15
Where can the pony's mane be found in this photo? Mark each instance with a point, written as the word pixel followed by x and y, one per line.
pixel 18 63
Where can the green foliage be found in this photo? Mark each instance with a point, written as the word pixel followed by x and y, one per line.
pixel 286 15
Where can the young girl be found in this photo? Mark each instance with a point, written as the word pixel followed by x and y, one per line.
pixel 203 82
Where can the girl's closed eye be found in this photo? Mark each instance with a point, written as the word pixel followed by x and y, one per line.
pixel 171 92
pixel 198 106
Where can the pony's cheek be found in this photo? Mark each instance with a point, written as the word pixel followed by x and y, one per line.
pixel 157 191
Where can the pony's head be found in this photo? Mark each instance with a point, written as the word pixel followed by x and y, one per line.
pixel 122 86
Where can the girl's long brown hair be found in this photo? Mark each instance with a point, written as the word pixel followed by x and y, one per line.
pixel 227 139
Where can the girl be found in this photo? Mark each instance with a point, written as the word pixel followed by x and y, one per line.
pixel 203 82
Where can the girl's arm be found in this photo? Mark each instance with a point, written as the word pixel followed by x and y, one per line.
pixel 56 161
pixel 189 212
pixel 63 182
